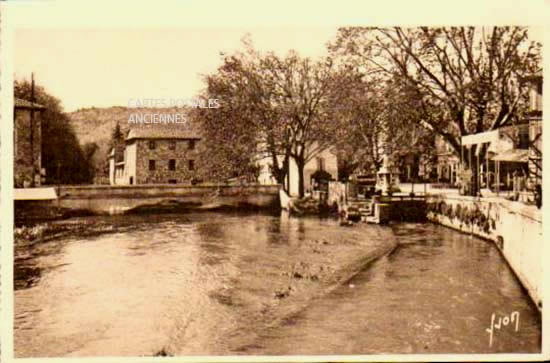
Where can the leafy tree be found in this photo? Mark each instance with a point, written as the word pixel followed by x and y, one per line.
pixel 61 151
pixel 247 127
pixel 89 151
pixel 117 143
pixel 378 117
pixel 305 90
pixel 227 143
pixel 116 137
pixel 466 78
pixel 270 106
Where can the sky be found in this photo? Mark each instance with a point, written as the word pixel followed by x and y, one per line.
pixel 87 54
pixel 100 67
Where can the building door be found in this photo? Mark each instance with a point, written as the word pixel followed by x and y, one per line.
pixel 131 180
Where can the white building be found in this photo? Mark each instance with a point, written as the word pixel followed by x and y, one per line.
pixel 325 161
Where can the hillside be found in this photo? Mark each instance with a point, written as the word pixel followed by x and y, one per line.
pixel 97 124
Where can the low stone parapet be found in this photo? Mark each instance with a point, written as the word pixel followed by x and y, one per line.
pixel 382 213
pixel 159 190
pixel 120 199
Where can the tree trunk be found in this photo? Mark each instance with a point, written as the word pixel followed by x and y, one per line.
pixel 475 177
pixel 286 173
pixel 473 165
pixel 300 164
pixel 281 172
pixel 278 173
pixel 482 161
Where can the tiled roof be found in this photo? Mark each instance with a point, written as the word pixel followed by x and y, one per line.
pixel 21 103
pixel 163 131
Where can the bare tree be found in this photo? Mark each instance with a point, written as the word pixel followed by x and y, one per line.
pixel 465 77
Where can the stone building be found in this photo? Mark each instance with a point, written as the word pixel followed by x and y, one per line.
pixel 27 144
pixel 157 154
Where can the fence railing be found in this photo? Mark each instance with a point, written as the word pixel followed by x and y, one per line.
pixel 402 198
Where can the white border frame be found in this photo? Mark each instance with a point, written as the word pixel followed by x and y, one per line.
pixel 170 13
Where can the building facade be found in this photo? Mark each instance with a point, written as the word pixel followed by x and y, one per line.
pixel 324 164
pixel 514 159
pixel 535 128
pixel 448 162
pixel 155 155
pixel 27 144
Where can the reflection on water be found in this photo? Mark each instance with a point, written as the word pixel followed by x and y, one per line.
pixel 435 293
pixel 205 284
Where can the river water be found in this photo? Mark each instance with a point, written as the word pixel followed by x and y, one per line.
pixel 227 284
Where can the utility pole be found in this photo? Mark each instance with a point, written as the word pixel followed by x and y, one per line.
pixel 32 130
pixel 58 183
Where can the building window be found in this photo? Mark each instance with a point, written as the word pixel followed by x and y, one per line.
pixel 535 98
pixel 152 165
pixel 172 164
pixel 191 144
pixel 172 181
pixel 172 145
pixel 152 145
pixel 523 137
pixel 523 142
pixel 191 164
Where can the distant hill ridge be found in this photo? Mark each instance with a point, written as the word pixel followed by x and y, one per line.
pixel 96 124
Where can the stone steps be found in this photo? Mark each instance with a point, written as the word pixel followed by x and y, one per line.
pixel 360 207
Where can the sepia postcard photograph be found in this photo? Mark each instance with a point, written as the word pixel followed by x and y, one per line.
pixel 185 183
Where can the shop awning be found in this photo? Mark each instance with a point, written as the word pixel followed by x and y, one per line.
pixel 513 155
pixel 480 138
